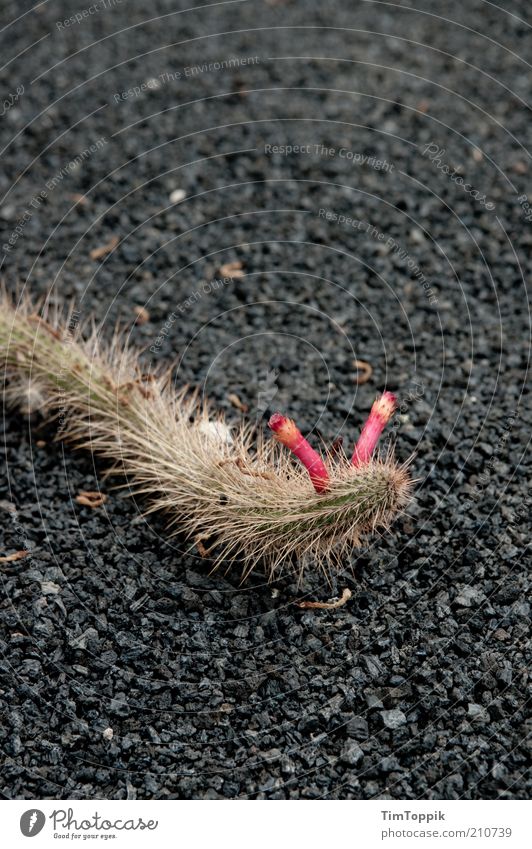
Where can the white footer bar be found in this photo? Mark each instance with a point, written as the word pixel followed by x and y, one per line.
pixel 267 824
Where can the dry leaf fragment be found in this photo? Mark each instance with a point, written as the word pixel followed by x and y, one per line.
pixel 232 269
pixel 202 551
pixel 336 449
pixel 142 315
pixel 236 402
pixel 38 319
pixel 91 498
pixel 17 555
pixel 364 371
pixel 326 605
pixel 99 253
pixel 78 198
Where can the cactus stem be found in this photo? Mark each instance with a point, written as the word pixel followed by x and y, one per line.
pixel 286 432
pixel 381 412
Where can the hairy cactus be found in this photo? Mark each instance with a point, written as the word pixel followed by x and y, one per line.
pixel 232 489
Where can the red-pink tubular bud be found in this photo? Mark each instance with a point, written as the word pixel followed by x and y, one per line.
pixel 381 413
pixel 286 432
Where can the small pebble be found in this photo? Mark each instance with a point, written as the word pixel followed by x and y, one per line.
pixel 177 195
pixel 351 754
pixel 393 718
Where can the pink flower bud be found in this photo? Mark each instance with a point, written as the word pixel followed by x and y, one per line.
pixel 286 432
pixel 381 412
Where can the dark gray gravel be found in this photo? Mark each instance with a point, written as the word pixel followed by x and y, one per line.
pixel 416 688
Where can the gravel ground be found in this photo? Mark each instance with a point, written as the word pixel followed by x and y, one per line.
pixel 398 233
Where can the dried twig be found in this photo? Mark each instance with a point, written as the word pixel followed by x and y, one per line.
pixel 326 605
pixel 141 315
pixel 91 498
pixel 232 269
pixel 202 551
pixel 79 198
pixel 99 253
pixel 17 555
pixel 236 402
pixel 37 319
pixel 365 370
